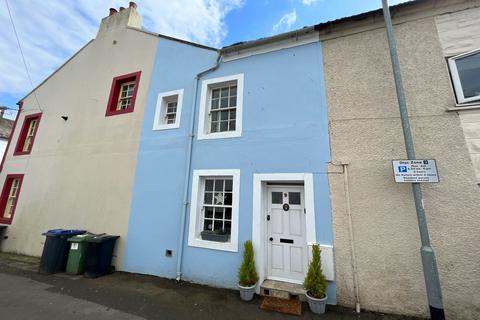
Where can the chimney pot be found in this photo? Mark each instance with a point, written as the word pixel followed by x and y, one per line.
pixel 132 5
pixel 122 8
pixel 112 11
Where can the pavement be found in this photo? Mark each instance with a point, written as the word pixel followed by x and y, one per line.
pixel 26 294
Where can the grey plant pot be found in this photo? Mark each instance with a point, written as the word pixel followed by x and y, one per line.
pixel 247 293
pixel 317 305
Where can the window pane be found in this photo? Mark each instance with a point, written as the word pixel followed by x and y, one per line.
pixel 215 103
pixel 209 185
pixel 219 198
pixel 277 197
pixel 215 116
pixel 224 103
pixel 208 212
pixel 233 114
pixel 232 125
pixel 228 185
pixel 294 197
pixel 228 198
pixel 469 73
pixel 224 93
pixel 224 115
pixel 208 224
pixel 228 213
pixel 218 226
pixel 223 126
pixel 233 101
pixel 218 213
pixel 215 93
pixel 214 126
pixel 233 90
pixel 228 227
pixel 208 198
pixel 219 185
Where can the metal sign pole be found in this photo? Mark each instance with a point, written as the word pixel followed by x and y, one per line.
pixel 429 262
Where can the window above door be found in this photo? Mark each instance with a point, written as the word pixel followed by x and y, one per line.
pixel 221 107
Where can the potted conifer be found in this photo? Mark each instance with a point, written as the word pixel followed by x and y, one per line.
pixel 315 283
pixel 247 275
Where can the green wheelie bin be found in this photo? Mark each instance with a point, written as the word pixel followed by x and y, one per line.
pixel 78 253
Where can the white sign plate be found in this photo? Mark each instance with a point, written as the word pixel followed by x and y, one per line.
pixel 415 171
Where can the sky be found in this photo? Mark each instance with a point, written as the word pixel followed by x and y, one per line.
pixel 52 31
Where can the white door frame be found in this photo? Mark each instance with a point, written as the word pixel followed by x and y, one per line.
pixel 259 229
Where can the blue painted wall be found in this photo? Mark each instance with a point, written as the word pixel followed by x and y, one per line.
pixel 285 129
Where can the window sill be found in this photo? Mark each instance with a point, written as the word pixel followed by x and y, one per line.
pixel 464 107
pixel 166 126
pixel 21 153
pixel 117 112
pixel 220 135
pixel 4 221
pixel 222 246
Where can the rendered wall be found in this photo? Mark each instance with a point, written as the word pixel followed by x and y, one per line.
pixel 80 171
pixel 459 32
pixel 284 131
pixel 365 132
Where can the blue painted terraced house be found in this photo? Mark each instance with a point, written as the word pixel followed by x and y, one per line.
pixel 234 147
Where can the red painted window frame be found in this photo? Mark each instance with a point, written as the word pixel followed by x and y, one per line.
pixel 4 196
pixel 23 134
pixel 115 92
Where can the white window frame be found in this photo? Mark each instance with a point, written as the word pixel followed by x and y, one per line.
pixel 204 122
pixel 120 99
pixel 196 203
pixel 161 108
pixel 457 84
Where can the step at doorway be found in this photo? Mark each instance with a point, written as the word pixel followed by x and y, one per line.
pixel 281 289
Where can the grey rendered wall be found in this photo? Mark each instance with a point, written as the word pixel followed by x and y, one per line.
pixel 365 132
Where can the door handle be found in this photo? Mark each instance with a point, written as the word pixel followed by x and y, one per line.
pixel 271 239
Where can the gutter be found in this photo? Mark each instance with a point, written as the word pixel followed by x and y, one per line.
pixel 191 137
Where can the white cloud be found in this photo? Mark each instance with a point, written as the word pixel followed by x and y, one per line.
pixel 51 31
pixel 308 2
pixel 285 22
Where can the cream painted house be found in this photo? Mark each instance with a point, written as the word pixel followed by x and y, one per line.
pixel 74 145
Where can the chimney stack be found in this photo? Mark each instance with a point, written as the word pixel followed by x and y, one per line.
pixel 123 18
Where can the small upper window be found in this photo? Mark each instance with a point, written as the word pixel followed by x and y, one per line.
pixel 221 108
pixel 168 110
pixel 27 134
pixel 9 197
pixel 465 70
pixel 123 94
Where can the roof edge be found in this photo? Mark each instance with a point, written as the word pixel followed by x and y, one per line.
pixel 56 70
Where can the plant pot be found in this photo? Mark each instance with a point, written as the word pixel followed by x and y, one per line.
pixel 214 236
pixel 317 305
pixel 247 293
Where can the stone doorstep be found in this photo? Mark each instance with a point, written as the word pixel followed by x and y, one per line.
pixel 281 289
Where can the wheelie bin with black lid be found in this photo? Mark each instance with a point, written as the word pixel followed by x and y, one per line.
pixel 55 250
pixel 99 256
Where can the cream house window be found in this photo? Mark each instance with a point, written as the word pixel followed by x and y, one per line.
pixel 30 135
pixel 12 199
pixel 168 110
pixel 465 71
pixel 214 209
pixel 126 94
pixel 221 106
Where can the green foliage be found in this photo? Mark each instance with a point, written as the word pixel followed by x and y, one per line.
pixel 247 275
pixel 315 282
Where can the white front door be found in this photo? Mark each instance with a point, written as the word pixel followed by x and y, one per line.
pixel 286 241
